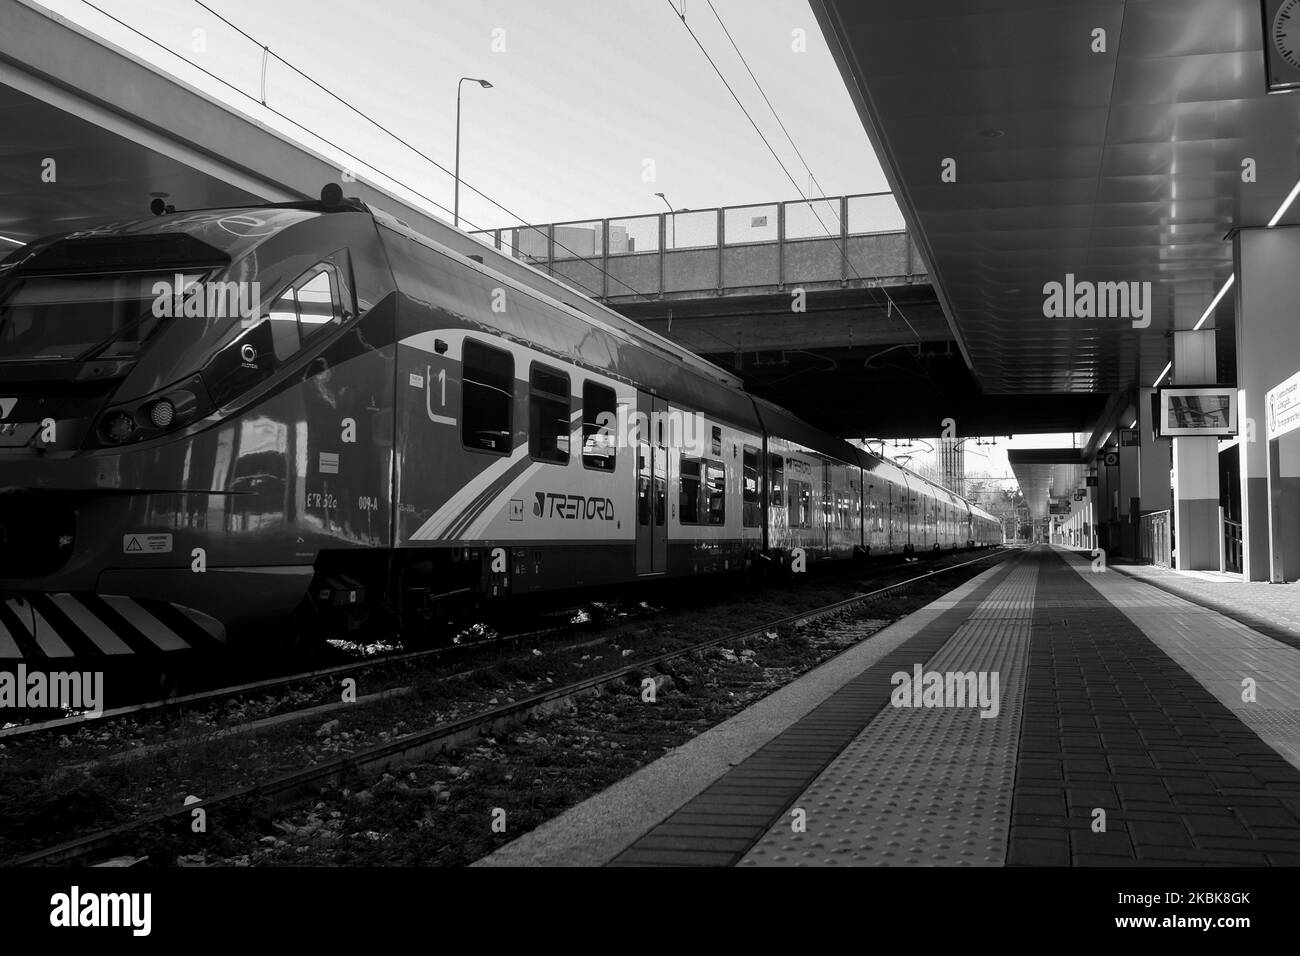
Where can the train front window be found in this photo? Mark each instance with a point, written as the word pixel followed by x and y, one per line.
pixel 61 318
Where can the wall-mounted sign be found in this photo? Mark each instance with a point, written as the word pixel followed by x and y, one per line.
pixel 1092 481
pixel 1111 459
pixel 1282 407
pixel 1130 437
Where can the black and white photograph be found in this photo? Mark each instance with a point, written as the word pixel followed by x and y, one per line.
pixel 539 437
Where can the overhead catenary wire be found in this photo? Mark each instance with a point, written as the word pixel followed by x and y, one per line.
pixel 892 305
pixel 411 146
pixel 344 152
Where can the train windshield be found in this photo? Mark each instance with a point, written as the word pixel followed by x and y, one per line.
pixel 61 318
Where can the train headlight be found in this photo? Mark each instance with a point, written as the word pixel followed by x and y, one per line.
pixel 152 416
pixel 161 413
pixel 119 427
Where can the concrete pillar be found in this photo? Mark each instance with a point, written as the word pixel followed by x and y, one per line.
pixel 1129 489
pixel 1268 351
pixel 1155 460
pixel 1196 464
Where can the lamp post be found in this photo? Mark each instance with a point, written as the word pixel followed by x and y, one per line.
pixel 673 219
pixel 456 202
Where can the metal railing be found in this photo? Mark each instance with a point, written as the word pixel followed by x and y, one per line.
pixel 1231 541
pixel 843 241
pixel 1155 546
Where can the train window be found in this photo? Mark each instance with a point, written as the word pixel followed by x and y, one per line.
pixel 643 484
pixel 318 301
pixel 71 317
pixel 548 415
pixel 800 504
pixel 311 304
pixel 749 489
pixel 488 394
pixel 283 315
pixel 598 444
pixel 716 488
pixel 689 493
pixel 776 480
pixel 717 441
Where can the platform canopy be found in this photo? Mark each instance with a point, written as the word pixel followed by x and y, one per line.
pixel 1101 140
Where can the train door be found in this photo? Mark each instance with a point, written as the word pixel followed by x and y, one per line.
pixel 830 503
pixel 651 487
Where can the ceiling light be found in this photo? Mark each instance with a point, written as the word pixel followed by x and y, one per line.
pixel 1286 204
pixel 1215 301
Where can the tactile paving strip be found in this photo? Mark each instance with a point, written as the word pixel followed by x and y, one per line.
pixel 931 785
pixel 722 822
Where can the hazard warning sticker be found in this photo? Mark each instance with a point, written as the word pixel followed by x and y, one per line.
pixel 146 543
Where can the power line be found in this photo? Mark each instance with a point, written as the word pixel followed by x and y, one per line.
pixel 384 129
pixel 759 86
pixel 844 251
pixel 346 153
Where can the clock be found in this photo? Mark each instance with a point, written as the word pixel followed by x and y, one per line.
pixel 1281 44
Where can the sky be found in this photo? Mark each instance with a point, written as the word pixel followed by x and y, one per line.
pixel 596 105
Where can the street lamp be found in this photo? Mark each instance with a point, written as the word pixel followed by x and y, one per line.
pixel 673 240
pixel 456 203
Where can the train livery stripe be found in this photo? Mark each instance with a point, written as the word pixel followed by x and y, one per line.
pixel 58 622
pixel 480 490
pixel 99 633
pixel 48 641
pixel 164 637
pixel 185 626
pixel 208 625
pixel 464 498
pixel 8 646
pixel 489 495
pixel 138 644
pixel 18 632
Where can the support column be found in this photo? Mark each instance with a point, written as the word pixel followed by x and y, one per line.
pixel 1196 464
pixel 1129 490
pixel 1155 459
pixel 1268 352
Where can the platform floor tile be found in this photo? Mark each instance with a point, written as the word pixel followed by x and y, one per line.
pixel 925 785
pixel 1126 758
pixel 1270 609
pixel 1220 652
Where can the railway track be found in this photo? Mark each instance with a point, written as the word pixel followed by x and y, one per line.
pixel 355 669
pixel 278 790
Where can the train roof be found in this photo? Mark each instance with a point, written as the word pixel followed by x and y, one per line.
pixel 224 233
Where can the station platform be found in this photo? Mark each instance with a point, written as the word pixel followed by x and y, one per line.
pixel 1128 726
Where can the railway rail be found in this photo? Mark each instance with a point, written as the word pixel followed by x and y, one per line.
pixel 109 844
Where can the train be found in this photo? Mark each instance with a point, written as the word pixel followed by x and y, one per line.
pixel 213 419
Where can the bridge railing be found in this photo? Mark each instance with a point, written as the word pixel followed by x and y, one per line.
pixel 840 242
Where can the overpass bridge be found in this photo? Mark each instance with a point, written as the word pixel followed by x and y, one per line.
pixel 825 306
